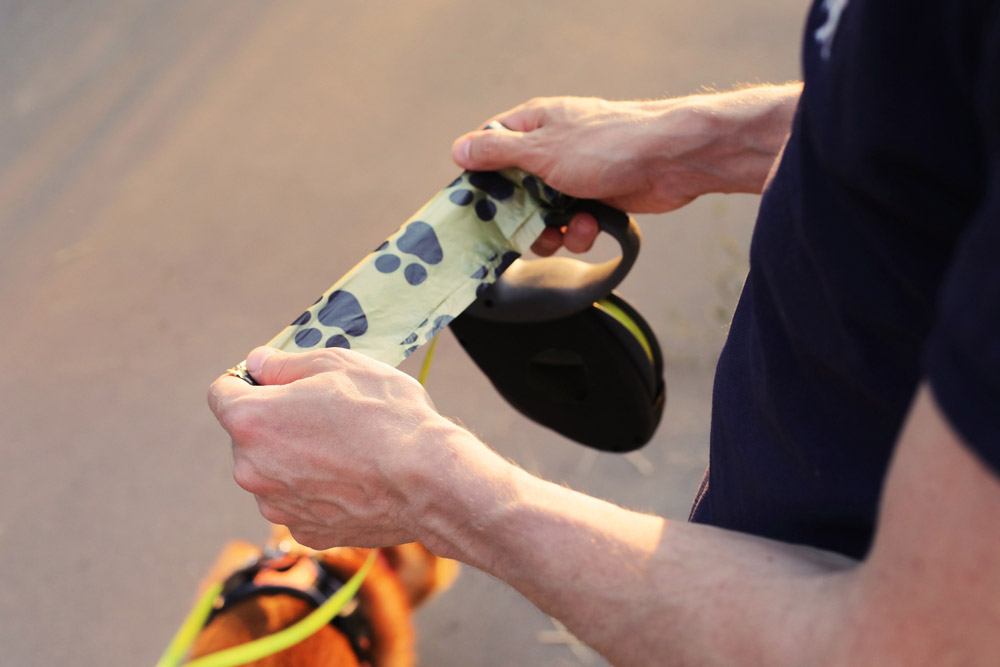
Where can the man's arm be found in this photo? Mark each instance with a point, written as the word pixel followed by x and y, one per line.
pixel 930 589
pixel 344 450
pixel 644 590
pixel 640 156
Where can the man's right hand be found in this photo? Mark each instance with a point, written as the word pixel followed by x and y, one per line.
pixel 639 156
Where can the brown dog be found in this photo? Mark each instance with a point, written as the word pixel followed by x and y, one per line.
pixel 375 630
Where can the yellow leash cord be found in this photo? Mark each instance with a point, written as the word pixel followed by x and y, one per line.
pixel 422 378
pixel 279 641
pixel 189 630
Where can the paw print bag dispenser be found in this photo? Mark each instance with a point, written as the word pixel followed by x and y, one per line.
pixel 549 333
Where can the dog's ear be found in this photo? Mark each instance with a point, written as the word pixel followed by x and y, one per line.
pixel 421 572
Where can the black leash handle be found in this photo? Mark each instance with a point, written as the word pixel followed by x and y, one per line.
pixel 552 287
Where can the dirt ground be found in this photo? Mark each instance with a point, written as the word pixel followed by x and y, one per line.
pixel 179 179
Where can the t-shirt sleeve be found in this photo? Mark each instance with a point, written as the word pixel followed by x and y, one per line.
pixel 962 354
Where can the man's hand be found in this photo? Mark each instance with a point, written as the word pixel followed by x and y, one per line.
pixel 338 447
pixel 585 147
pixel 642 156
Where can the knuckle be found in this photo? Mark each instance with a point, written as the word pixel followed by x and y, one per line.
pixel 247 477
pixel 326 360
pixel 484 149
pixel 242 420
pixel 277 367
pixel 312 538
pixel 271 513
pixel 303 536
pixel 320 361
pixel 214 396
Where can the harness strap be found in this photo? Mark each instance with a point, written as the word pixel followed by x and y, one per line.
pixel 305 577
pixel 264 646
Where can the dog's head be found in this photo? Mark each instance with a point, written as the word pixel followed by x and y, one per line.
pixel 378 623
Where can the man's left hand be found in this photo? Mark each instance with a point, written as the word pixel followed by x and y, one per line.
pixel 336 446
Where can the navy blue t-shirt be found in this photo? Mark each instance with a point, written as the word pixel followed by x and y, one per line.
pixel 875 263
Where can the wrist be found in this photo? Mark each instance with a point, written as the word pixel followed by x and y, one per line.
pixel 462 489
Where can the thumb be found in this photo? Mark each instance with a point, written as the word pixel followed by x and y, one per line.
pixel 268 365
pixel 488 150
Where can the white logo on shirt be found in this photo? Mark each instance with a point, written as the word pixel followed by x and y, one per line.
pixel 825 33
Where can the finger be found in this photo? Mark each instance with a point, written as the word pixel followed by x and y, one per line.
pixel 488 150
pixel 550 240
pixel 268 365
pixel 224 391
pixel 580 233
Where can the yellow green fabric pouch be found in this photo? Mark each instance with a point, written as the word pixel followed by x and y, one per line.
pixel 420 278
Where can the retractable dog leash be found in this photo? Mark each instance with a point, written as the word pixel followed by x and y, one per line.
pixel 565 350
pixel 550 334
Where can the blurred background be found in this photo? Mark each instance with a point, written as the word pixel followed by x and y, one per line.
pixel 178 180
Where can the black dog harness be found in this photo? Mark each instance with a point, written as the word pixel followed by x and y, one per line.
pixel 307 578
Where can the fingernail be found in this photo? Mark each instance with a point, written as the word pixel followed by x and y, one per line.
pixel 460 152
pixel 256 359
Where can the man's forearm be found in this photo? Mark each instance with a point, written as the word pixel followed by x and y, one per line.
pixel 611 574
pixel 644 590
pixel 733 138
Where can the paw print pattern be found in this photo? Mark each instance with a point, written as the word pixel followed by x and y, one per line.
pixel 342 311
pixel 413 340
pixel 495 187
pixel 543 192
pixel 488 188
pixel 483 272
pixel 548 196
pixel 556 202
pixel 417 239
pixel 415 254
